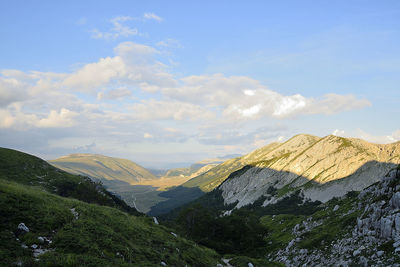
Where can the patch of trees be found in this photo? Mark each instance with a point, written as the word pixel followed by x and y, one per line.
pixel 240 233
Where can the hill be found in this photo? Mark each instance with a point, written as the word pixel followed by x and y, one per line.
pixel 39 226
pixel 68 232
pixel 26 169
pixel 99 166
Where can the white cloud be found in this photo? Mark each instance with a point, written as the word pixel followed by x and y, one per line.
pixel 16 118
pixel 378 139
pixel 6 119
pixel 334 103
pixel 63 118
pixel 386 139
pixel 288 105
pixel 133 65
pixel 152 16
pixel 241 98
pixel 169 43
pixel 94 75
pixel 203 109
pixel 11 90
pixel 114 94
pixel 147 136
pixel 119 29
pixel 169 110
pixel 249 112
pixel 338 132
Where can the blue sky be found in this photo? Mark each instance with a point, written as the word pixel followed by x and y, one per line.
pixel 169 82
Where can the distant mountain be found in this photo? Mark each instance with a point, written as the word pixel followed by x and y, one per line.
pixel 137 186
pixel 99 166
pixel 199 167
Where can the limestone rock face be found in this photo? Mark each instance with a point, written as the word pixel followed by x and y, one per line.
pixel 321 167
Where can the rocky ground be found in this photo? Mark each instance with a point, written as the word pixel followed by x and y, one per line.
pixel 371 238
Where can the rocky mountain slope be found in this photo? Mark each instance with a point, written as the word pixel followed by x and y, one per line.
pixel 39 227
pixel 321 167
pixel 197 169
pixel 99 166
pixel 355 230
pixel 215 176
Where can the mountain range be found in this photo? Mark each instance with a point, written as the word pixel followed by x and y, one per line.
pixel 135 184
pixel 321 168
pixel 308 201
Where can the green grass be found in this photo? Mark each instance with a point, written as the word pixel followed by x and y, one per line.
pixel 280 229
pixel 284 190
pixel 242 261
pixel 101 236
pixel 30 170
pixel 335 225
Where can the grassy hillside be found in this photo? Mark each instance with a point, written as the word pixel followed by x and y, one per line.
pixel 76 233
pixel 98 166
pixel 30 170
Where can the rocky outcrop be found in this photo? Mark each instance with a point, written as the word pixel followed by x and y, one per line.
pixel 374 240
pixel 21 229
pixel 322 168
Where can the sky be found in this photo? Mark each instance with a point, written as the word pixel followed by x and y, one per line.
pixel 167 83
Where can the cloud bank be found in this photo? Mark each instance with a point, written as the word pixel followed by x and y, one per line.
pixel 134 96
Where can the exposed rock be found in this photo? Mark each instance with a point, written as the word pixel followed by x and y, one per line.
pixel 75 213
pixel 250 264
pixel 39 251
pixel 163 263
pixel 155 220
pixel 356 253
pixel 301 159
pixel 395 200
pixel 336 208
pixel 377 224
pixel 21 229
pixel 363 261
